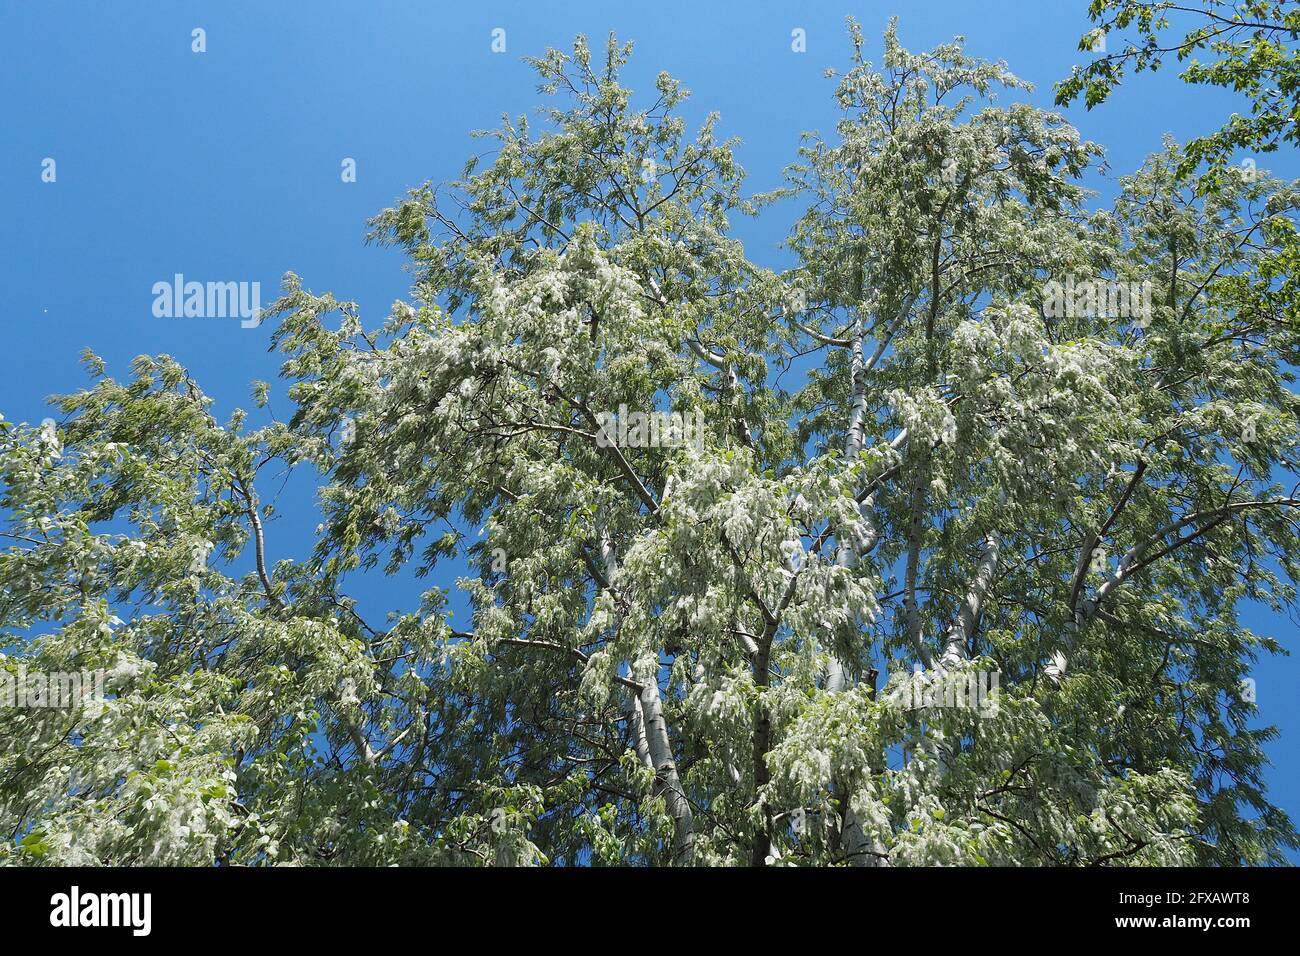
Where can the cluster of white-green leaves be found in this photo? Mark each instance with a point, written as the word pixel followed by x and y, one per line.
pixel 695 653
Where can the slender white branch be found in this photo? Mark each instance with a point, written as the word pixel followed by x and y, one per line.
pixel 717 361
pixel 818 336
pixel 1135 560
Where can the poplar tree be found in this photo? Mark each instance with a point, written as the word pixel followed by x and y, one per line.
pixel 714 652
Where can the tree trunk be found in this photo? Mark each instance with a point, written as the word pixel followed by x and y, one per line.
pixel 667 781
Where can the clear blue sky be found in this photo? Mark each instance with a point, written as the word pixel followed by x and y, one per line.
pixel 225 165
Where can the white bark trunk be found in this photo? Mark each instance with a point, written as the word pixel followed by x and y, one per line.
pixel 851 835
pixel 959 634
pixel 911 604
pixel 636 718
pixel 653 745
pixel 852 839
pixel 667 781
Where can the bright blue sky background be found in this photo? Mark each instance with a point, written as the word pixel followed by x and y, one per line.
pixel 225 165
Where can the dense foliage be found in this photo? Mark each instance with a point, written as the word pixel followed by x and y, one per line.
pixel 1247 46
pixel 693 652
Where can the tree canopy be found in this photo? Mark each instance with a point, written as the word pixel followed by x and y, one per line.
pixel 694 652
pixel 1247 46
